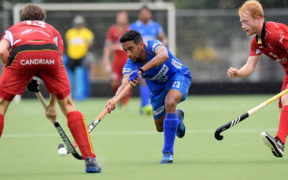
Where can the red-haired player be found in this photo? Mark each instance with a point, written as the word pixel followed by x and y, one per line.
pixel 34 48
pixel 271 39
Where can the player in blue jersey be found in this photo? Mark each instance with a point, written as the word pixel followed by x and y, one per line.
pixel 149 30
pixel 168 80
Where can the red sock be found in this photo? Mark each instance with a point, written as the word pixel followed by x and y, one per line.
pixel 78 128
pixel 283 125
pixel 1 124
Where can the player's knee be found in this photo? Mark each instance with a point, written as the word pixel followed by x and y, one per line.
pixel 170 104
pixel 67 105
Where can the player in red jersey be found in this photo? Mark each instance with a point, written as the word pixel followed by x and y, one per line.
pixel 271 39
pixel 35 48
pixel 119 57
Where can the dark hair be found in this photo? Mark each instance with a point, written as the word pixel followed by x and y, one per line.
pixel 32 12
pixel 144 7
pixel 131 35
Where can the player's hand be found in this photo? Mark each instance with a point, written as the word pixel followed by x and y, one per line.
pixel 135 77
pixel 232 72
pixel 33 85
pixel 110 105
pixel 51 113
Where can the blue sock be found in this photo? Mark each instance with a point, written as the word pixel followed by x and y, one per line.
pixel 144 93
pixel 170 128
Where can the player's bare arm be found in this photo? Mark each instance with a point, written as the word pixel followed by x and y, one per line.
pixel 245 70
pixel 160 58
pixel 106 55
pixel 4 50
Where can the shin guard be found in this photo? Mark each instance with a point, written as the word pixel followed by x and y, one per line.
pixel 78 128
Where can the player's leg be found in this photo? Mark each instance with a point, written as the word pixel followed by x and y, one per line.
pixel 170 124
pixel 80 83
pixel 15 81
pixel 180 128
pixel 57 83
pixel 283 125
pixel 12 81
pixel 146 107
pixel 70 66
pixel 78 128
pixel 276 144
pixel 3 108
pixel 173 122
pixel 87 82
pixel 165 121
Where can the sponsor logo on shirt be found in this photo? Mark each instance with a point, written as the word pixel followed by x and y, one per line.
pixel 158 111
pixel 25 62
pixel 161 75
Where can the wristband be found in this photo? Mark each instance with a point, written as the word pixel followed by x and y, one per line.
pixel 141 70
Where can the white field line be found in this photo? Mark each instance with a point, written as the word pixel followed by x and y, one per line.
pixel 132 133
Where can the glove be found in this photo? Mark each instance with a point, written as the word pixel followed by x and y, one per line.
pixel 134 75
pixel 33 86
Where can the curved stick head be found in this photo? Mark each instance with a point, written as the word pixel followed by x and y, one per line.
pixel 218 136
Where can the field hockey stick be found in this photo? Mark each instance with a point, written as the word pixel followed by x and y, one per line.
pixel 60 130
pixel 101 115
pixel 238 119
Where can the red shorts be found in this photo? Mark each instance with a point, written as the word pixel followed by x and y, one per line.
pixel 119 60
pixel 284 86
pixel 28 60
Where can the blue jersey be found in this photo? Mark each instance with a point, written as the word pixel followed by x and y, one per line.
pixel 157 77
pixel 148 31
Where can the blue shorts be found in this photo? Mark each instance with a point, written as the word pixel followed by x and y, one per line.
pixel 179 82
